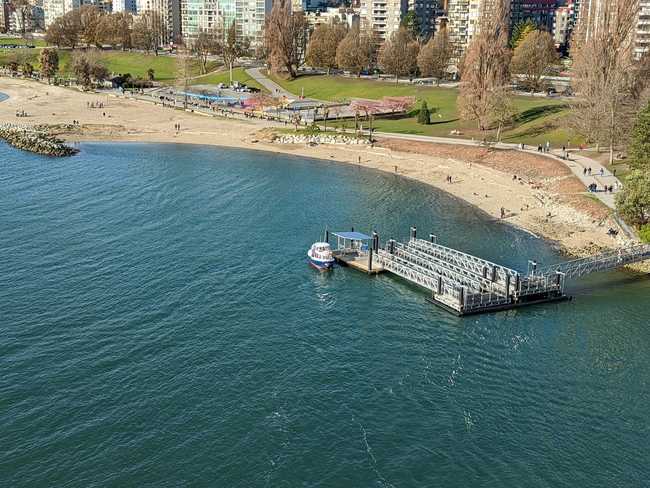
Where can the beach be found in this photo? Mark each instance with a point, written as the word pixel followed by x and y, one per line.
pixel 534 193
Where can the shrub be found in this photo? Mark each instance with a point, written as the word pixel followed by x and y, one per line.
pixel 644 233
pixel 424 115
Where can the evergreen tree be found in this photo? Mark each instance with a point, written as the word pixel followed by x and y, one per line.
pixel 639 152
pixel 520 31
pixel 424 115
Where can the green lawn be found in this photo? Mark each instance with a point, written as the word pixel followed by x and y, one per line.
pixel 238 74
pixel 538 119
pixel 118 62
pixel 18 40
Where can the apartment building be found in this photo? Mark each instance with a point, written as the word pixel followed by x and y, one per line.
pixel 562 26
pixel 125 6
pixel 201 15
pixel 462 23
pixel 52 9
pixel 642 38
pixel 541 12
pixel 169 12
pixel 427 11
pixel 384 16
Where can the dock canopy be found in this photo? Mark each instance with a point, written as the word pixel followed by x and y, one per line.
pixel 352 236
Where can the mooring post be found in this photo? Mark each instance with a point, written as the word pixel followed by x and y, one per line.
pixel 413 233
pixel 370 260
pixel 494 274
pixel 517 282
pixel 440 285
pixel 375 241
pixel 461 297
pixel 507 285
pixel 327 236
pixel 433 238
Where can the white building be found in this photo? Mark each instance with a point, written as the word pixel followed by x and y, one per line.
pixel 462 23
pixel 384 16
pixel 562 26
pixel 52 9
pixel 169 11
pixel 125 6
pixel 250 16
pixel 333 15
pixel 642 38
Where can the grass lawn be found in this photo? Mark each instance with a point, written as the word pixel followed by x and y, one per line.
pixel 118 62
pixel 238 74
pixel 18 40
pixel 538 120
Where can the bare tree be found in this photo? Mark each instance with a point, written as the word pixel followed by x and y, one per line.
pixel 356 51
pixel 115 29
pixel 148 32
pixel 604 76
pixel 232 47
pixel 434 56
pixel 205 44
pixel 65 30
pixel 534 58
pixel 90 21
pixel 285 37
pixel 49 60
pixel 323 42
pixel 23 9
pixel 485 75
pixel 399 54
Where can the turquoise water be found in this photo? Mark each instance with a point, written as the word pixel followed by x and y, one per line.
pixel 3 97
pixel 159 327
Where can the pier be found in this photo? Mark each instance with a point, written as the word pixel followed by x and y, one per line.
pixel 465 284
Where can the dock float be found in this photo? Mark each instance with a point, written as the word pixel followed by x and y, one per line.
pixel 464 284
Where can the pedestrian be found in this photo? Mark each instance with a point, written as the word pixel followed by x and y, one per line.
pixel 584 171
pixel 589 171
pixel 503 213
pixel 614 172
pixel 548 146
pixel 602 172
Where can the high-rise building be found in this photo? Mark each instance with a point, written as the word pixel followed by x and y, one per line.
pixel 383 16
pixel 462 23
pixel 562 26
pixel 541 12
pixel 426 11
pixel 53 9
pixel 125 6
pixel 251 16
pixel 169 12
pixel 642 38
pixel 200 15
pixel 4 16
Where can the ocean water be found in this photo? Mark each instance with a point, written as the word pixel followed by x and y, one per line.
pixel 159 327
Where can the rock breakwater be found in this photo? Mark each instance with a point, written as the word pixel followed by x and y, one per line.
pixel 35 140
pixel 318 139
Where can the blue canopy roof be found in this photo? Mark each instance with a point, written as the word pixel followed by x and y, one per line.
pixel 353 236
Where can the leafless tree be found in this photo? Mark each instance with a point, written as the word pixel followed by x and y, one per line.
pixel 534 58
pixel 435 55
pixel 285 37
pixel 604 76
pixel 323 42
pixel 485 76
pixel 398 55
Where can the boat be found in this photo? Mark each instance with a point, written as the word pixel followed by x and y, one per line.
pixel 320 256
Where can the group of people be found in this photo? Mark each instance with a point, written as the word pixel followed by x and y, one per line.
pixel 97 104
pixel 606 188
pixel 544 148
pixel 21 113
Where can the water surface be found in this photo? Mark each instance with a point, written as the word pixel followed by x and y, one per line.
pixel 160 327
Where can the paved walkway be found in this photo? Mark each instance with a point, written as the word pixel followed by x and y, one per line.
pixel 275 89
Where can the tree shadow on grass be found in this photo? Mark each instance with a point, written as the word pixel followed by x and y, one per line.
pixel 538 112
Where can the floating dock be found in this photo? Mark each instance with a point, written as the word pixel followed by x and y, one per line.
pixel 465 284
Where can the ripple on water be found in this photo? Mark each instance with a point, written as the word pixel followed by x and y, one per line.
pixel 158 316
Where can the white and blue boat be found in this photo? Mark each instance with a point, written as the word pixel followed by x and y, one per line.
pixel 320 256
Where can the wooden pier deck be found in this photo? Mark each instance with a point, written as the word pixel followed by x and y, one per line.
pixel 360 263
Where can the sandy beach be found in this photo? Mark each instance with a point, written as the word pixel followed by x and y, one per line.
pixel 538 194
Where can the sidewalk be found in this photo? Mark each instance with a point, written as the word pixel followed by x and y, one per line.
pixel 275 89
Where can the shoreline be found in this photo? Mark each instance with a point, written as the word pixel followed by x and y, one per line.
pixel 545 200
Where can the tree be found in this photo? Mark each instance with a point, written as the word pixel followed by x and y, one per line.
pixel 23 10
pixel 115 29
pixel 485 76
pixel 411 22
pixel 205 44
pixel 424 115
pixel 435 55
pixel 398 56
pixel 65 30
pixel 87 68
pixel 49 60
pixel 231 47
pixel 90 18
pixel 147 33
pixel 285 37
pixel 151 74
pixel 356 51
pixel 28 70
pixel 604 76
pixel 639 151
pixel 520 31
pixel 533 58
pixel 323 43
pixel 633 202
